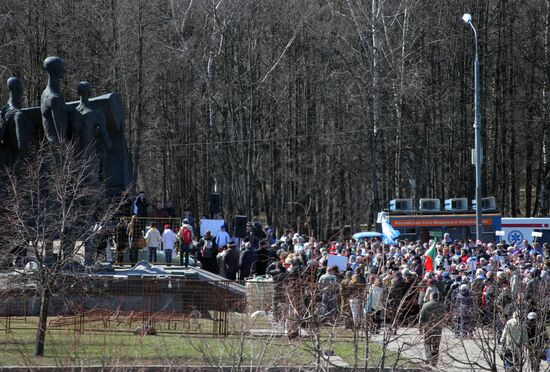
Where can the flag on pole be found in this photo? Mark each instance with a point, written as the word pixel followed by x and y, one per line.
pixel 389 233
pixel 429 257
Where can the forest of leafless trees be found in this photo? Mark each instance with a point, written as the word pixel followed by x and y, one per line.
pixel 312 112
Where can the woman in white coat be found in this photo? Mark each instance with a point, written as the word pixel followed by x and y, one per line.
pixel 376 303
pixel 169 239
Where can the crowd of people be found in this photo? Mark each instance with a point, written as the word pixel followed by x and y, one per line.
pixel 473 284
pixel 499 287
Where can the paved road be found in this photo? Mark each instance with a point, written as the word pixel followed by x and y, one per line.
pixel 455 354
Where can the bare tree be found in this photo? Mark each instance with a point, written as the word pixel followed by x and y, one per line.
pixel 282 105
pixel 53 210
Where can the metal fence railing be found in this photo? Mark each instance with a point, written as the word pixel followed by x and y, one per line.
pixel 108 304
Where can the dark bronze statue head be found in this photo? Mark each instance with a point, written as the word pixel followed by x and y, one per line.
pixel 84 89
pixel 54 66
pixel 14 85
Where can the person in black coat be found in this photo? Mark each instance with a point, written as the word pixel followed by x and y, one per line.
pixel 259 231
pixel 246 261
pixel 209 251
pixel 262 259
pixel 251 236
pixel 231 262
pixel 140 205
pixel 121 240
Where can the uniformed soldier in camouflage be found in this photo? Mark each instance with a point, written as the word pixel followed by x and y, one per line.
pixel 430 325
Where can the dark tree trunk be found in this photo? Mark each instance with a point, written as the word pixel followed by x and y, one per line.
pixel 42 323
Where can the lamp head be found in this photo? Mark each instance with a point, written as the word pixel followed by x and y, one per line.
pixel 467 18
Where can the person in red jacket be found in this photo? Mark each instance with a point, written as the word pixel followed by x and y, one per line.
pixel 185 235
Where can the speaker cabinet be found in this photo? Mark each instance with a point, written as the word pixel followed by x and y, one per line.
pixel 240 226
pixel 215 204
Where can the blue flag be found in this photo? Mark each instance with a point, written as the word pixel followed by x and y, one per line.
pixel 389 233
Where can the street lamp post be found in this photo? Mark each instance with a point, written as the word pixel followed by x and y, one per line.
pixel 477 153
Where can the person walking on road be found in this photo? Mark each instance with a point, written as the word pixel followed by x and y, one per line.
pixel 514 338
pixel 430 324
pixel 538 341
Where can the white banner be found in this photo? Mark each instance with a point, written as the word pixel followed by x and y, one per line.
pixel 213 225
pixel 340 261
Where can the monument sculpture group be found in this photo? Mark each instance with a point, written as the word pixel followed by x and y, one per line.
pixel 96 125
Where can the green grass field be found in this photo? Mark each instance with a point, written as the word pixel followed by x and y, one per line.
pixel 65 347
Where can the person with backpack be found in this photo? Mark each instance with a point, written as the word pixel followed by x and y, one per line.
pixel 186 238
pixel 209 252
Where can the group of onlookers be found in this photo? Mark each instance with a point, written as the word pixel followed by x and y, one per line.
pixel 501 288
